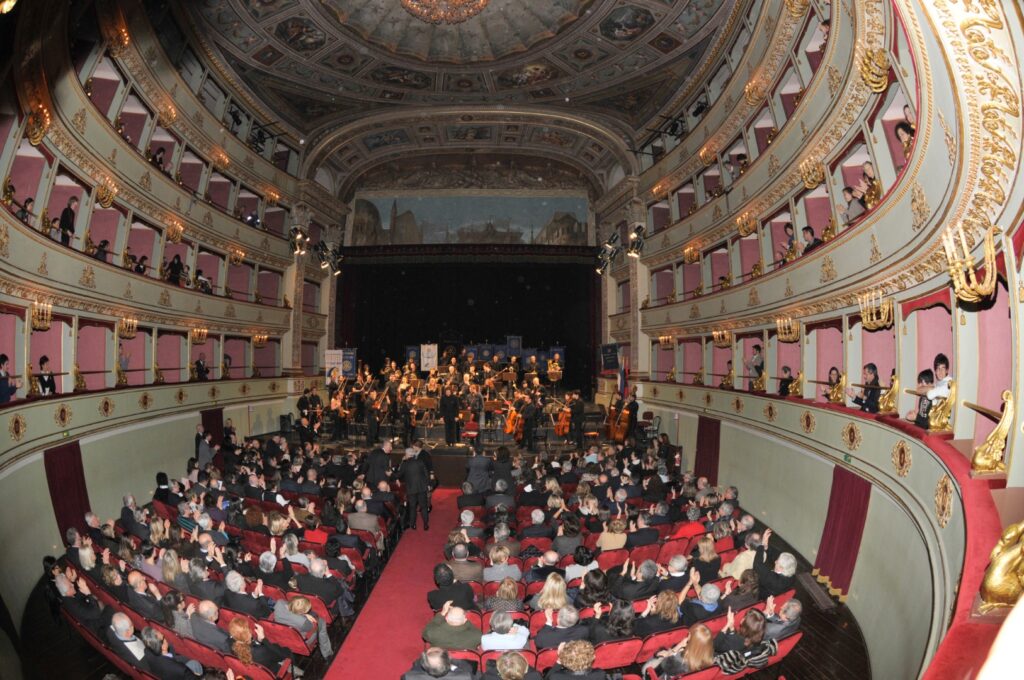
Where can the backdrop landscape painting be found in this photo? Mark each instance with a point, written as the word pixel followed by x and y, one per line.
pixel 524 220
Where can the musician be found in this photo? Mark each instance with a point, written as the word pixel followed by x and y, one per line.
pixel 530 415
pixel 474 401
pixel 532 366
pixel 47 385
pixel 404 418
pixel 452 377
pixel 473 375
pixel 340 414
pixel 391 387
pixel 333 382
pixel 432 388
pixel 538 390
pixel 372 416
pixel 515 368
pixel 316 406
pixel 577 414
pixel 410 367
pixel 632 408
pixel 303 404
pixel 555 363
pixel 450 415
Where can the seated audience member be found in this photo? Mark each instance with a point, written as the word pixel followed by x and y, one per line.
pixel 633 581
pixel 583 561
pixel 466 520
pixel 163 662
pixel 552 595
pixel 143 596
pixel 614 536
pixel 458 537
pixel 745 647
pixel 810 240
pixel 122 641
pixel 695 652
pixel 266 570
pixel 537 528
pixel 174 571
pixel 693 526
pixel 925 383
pixel 567 628
pixel 615 623
pixel 319 582
pixel 500 497
pixel 704 606
pixel 662 613
pixel 867 398
pixel 509 666
pixel 462 567
pixel 175 615
pixel 576 662
pixel 200 585
pixel 746 593
pixel 786 622
pixel 205 629
pixel 640 532
pixel 77 599
pixel 744 527
pixel 500 568
pixel 786 381
pixel 255 649
pixel 503 536
pixel 505 634
pixel 112 582
pixel 547 565
pixel 568 537
pixel 296 613
pixel 593 589
pixel 449 629
pixel 448 589
pixel 506 599
pixel 238 600
pixel 777 578
pixel 435 663
pixel 705 560
pixel 469 498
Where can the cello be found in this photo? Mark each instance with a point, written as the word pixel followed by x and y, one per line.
pixel 513 419
pixel 562 425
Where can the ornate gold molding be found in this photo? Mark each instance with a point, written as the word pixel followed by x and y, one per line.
pixel 902 458
pixel 944 500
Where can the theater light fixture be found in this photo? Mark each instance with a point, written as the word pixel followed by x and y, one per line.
pixel 127 327
pixel 722 339
pixel 42 316
pixel 7 5
pixel 299 239
pixel 175 230
pixel 260 340
pixel 787 329
pixel 957 245
pixel 330 257
pixel 199 336
pixel 876 311
pixel 236 255
pixel 610 249
pixel 636 240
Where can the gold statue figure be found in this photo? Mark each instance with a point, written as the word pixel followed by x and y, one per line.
pixel 941 410
pixel 988 455
pixel 887 400
pixel 837 393
pixel 1004 579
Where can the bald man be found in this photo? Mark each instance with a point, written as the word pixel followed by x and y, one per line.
pixel 450 629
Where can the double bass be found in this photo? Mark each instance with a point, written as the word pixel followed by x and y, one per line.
pixel 562 425
pixel 617 423
pixel 513 422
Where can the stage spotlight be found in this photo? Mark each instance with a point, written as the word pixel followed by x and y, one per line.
pixel 298 239
pixel 602 267
pixel 636 241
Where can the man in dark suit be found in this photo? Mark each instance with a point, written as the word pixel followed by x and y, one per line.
pixel 548 564
pixel 633 409
pixel 704 606
pixel 80 603
pixel 676 576
pixel 478 472
pixel 378 463
pixel 330 590
pixel 785 623
pixel 577 415
pixel 8 385
pixel 205 629
pixel 449 409
pixel 469 498
pixel 500 496
pixel 416 482
pixel 640 533
pixel 121 639
pixel 530 415
pixel 162 661
pixel 200 584
pixel 538 529
pixel 463 569
pixel 567 629
pixel 460 594
pixel 202 370
pixel 144 597
pixel 634 582
pixel 237 600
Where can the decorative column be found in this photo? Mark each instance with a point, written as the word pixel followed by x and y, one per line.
pixel 639 362
pixel 293 282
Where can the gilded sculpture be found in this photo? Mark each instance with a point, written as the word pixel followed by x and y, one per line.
pixel 988 455
pixel 1004 579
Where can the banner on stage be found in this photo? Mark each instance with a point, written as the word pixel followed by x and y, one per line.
pixel 486 352
pixel 474 350
pixel 412 352
pixel 333 365
pixel 428 357
pixel 349 366
pixel 515 345
pixel 610 357
pixel 501 353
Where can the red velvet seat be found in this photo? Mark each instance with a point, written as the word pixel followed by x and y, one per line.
pixel 290 638
pixel 546 659
pixel 654 643
pixel 537 542
pixel 612 558
pixel 670 549
pixel 616 653
pixel 645 552
pixel 528 655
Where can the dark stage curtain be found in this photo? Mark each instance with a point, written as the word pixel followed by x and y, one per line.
pixel 705 464
pixel 66 480
pixel 844 528
pixel 213 422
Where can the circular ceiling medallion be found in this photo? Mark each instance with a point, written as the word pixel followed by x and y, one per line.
pixel 901 458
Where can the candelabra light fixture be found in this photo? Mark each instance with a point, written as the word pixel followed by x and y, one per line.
pixel 273 196
pixel 812 172
pixel 963 271
pixel 127 327
pixel 38 124
pixel 175 230
pixel 746 223
pixel 260 340
pixel 219 159
pixel 42 316
pixel 106 192
pixel 444 11
pixel 876 311
pixel 787 329
pixel 707 155
pixel 235 255
pixel 722 339
pixel 199 335
pixel 666 341
pixel 167 115
pixel 691 255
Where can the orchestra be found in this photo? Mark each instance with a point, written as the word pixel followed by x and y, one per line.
pixel 461 389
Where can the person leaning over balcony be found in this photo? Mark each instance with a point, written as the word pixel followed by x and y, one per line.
pixel 9 386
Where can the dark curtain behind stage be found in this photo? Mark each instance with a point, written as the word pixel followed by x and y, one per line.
pixel 384 307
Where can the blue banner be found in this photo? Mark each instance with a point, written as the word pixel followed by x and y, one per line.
pixel 527 353
pixel 560 351
pixel 515 344
pixel 474 350
pixel 501 353
pixel 610 357
pixel 413 352
pixel 486 352
pixel 348 362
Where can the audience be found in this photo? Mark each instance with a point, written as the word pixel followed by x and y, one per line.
pixel 575 662
pixel 450 629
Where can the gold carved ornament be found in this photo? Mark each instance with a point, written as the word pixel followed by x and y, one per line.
pixel 828 270
pixel 79 379
pixel 728 380
pixel 62 416
pixel 831 230
pixel 873 65
pixel 812 172
pixel 753 92
pixel 145 401
pixel 1003 583
pixel 737 404
pixel 941 410
pixel 698 377
pixel 796 388
pixel 901 458
pixel 988 455
pixel 746 224
pixel 851 436
pixel 962 270
pixel 106 407
pixel 797 8
pixel 33 382
pixel 837 393
pixel 121 378
pixel 707 155
pixel 944 500
pixel 770 412
pixel 876 311
pixel 761 383
pixel 757 271
pixel 38 125
pixel 887 400
pixel 17 427
pixel 807 422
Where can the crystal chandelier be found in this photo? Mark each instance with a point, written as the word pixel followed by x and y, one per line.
pixel 444 11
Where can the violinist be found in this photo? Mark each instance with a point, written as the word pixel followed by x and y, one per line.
pixel 340 414
pixel 450 415
pixel 404 418
pixel 474 401
pixel 372 415
pixel 316 407
pixel 410 367
pixel 333 382
pixel 433 389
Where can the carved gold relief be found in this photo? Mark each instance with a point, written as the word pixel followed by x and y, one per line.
pixel 988 455
pixel 737 405
pixel 1003 583
pixel 78 121
pixel 919 206
pixel 828 270
pixel 753 92
pixel 944 500
pixel 17 427
pixel 807 422
pixel 901 458
pixel 88 277
pixel 145 400
pixel 949 139
pixel 42 269
pixel 752 298
pixel 62 415
pixel 797 8
pixel 851 436
pixel 38 125
pixel 876 252
pixel 770 413
pixel 773 165
pixel 812 172
pixel 180 396
pixel 835 80
pixel 873 65
pixel 106 407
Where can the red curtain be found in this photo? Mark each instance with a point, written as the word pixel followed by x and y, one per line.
pixel 844 528
pixel 66 480
pixel 939 297
pixel 705 464
pixel 213 422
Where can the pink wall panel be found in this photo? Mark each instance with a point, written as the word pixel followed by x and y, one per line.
pixel 265 358
pixel 750 253
pixel 879 348
pixel 828 344
pixel 896 154
pixel 190 175
pixel 719 358
pixel 692 359
pixel 663 285
pixel 103 226
pixel 143 243
pixel 48 343
pixel 273 221
pixel 691 277
pixel 761 138
pixel 660 217
pixel 235 348
pixel 169 145
pixel 664 360
pixel 26 174
pixel 92 354
pixel 8 332
pixel 238 280
pixel 136 347
pixel 267 284
pixel 779 238
pixel 685 200
pixel 934 335
pixel 103 91
pixel 817 213
pixel 719 266
pixel 134 123
pixel 851 174
pixel 787 354
pixel 169 347
pixel 208 351
pixel 711 182
pixel 246 204
pixel 210 265
pixel 788 103
pixel 219 190
pixel 994 371
pixel 310 297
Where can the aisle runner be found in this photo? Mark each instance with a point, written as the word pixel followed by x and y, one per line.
pixel 386 637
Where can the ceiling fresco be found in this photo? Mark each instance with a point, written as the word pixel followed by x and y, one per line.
pixel 325 62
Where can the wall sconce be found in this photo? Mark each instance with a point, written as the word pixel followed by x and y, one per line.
pixel 260 340
pixel 199 336
pixel 106 192
pixel 812 172
pixel 691 255
pixel 219 159
pixel 38 125
pixel 708 155
pixel 722 339
pixel 175 230
pixel 962 269
pixel 787 329
pixel 235 255
pixel 119 40
pixel 666 341
pixel 770 137
pixel 272 197
pixel 42 316
pixel 876 311
pixel 8 193
pixel 753 92
pixel 167 115
pixel 127 327
pixel 746 224
pixel 873 64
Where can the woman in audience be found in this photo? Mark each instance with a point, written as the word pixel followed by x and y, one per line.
pixel 344 500
pixel 552 595
pixel 510 666
pixel 614 624
pixel 176 615
pixel 149 561
pixel 745 594
pixel 694 653
pixel 744 647
pixel 705 560
pixel 576 662
pixel 614 535
pixel 171 571
pixel 500 569
pixel 261 653
pixel 506 599
pixel 593 589
pixel 277 524
pixel 159 533
pixel 833 380
pixel 459 537
pixel 568 538
pixel 662 613
pixel 503 467
pixel 583 562
pixel 87 560
pixel 590 512
pixel 336 561
pixel 295 613
pixel 776 578
pixel 291 550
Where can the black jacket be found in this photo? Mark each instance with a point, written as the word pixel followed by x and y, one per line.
pixel 414 476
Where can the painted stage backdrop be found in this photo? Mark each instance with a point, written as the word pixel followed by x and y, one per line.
pixel 415 219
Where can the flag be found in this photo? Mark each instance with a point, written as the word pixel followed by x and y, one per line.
pixel 623 378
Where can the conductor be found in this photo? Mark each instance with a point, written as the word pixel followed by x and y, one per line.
pixel 450 415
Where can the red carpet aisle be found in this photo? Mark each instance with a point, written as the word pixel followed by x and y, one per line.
pixel 386 637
